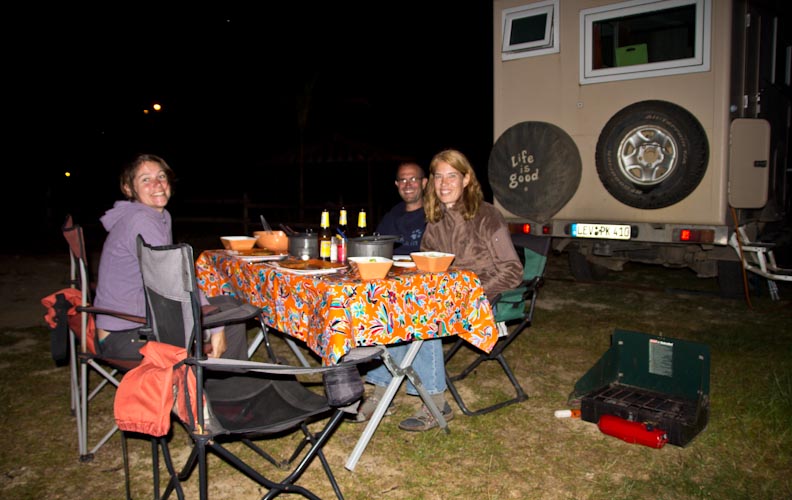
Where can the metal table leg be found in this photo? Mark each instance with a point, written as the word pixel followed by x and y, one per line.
pixel 405 369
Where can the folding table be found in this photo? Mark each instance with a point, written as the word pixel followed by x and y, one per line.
pixel 334 313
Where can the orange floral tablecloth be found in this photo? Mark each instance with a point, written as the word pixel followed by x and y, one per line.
pixel 334 313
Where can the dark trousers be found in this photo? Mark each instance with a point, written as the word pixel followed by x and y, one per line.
pixel 236 333
pixel 126 344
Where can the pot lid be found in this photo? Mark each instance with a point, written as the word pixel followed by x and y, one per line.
pixel 377 238
pixel 306 235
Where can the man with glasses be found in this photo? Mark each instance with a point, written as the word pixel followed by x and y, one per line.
pixel 407 219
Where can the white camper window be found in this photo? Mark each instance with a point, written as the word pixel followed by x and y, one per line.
pixel 644 38
pixel 530 30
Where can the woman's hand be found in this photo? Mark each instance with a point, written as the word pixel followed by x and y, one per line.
pixel 218 341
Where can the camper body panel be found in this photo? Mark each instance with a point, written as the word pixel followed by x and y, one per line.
pixel 542 104
pixel 546 88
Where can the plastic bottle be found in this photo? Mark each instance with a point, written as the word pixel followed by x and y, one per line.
pixel 340 244
pixel 567 414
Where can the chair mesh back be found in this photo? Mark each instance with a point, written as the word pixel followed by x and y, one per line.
pixel 535 249
pixel 167 319
pixel 74 237
pixel 73 233
pixel 511 305
pixel 169 282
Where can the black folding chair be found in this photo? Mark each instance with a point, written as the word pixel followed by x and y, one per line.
pixel 84 360
pixel 228 400
pixel 514 306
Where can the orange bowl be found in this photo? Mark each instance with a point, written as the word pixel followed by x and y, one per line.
pixel 238 242
pixel 433 262
pixel 371 268
pixel 277 241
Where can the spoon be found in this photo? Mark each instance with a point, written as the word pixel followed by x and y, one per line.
pixel 264 224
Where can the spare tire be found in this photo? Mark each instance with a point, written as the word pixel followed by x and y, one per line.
pixel 652 154
pixel 534 170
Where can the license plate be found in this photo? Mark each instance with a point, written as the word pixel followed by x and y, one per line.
pixel 604 231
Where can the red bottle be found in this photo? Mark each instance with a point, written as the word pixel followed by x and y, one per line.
pixel 632 432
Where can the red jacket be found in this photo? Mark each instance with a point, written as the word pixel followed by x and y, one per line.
pixel 145 396
pixel 74 297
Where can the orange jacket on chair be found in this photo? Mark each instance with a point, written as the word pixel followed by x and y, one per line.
pixel 74 297
pixel 144 398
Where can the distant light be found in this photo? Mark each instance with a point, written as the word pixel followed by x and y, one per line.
pixel 145 111
pixel 157 107
pixel 67 174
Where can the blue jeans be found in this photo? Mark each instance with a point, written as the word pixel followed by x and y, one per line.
pixel 428 364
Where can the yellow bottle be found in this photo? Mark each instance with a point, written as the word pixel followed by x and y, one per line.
pixel 325 237
pixel 361 225
pixel 342 221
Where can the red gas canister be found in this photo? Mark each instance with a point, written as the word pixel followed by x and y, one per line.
pixel 632 432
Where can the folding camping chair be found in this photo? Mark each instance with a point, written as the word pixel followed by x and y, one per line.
pixel 512 306
pixel 83 358
pixel 222 400
pixel 758 258
pixel 82 353
pixel 78 280
pixel 263 338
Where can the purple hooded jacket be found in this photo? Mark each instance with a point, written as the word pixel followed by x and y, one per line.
pixel 120 286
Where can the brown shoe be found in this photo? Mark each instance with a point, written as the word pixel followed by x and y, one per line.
pixel 423 419
pixel 366 410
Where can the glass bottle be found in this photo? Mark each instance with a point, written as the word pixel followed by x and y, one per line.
pixel 342 222
pixel 361 225
pixel 325 236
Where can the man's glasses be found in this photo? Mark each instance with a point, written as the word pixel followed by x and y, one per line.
pixel 405 180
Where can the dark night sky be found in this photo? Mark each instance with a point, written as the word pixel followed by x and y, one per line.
pixel 411 78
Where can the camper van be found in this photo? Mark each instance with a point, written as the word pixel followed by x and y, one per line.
pixel 645 130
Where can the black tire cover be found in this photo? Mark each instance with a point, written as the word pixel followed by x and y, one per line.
pixel 534 169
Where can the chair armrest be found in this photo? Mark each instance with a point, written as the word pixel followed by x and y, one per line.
pixel 209 309
pixel 109 312
pixel 528 287
pixel 535 283
pixel 235 315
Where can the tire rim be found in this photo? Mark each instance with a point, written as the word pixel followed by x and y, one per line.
pixel 647 155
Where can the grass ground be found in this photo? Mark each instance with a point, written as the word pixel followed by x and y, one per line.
pixel 520 452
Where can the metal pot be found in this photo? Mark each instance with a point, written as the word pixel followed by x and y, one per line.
pixel 304 245
pixel 371 246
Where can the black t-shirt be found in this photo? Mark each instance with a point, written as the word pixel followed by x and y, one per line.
pixel 408 226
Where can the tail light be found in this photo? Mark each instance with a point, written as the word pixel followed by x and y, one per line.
pixel 690 235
